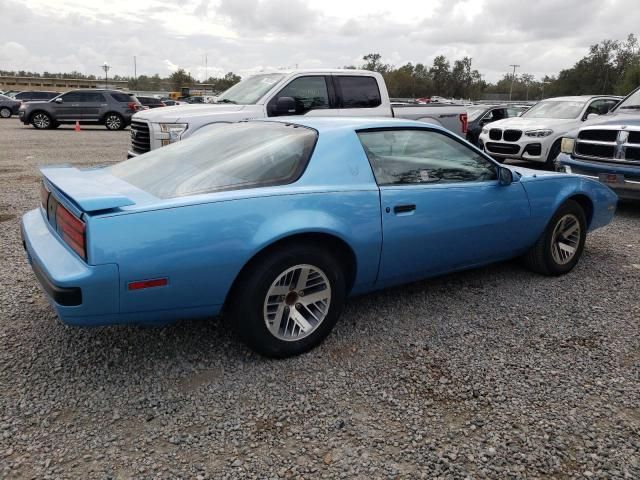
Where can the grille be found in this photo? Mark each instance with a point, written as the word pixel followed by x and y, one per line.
pixel 594 150
pixel 503 148
pixel 634 137
pixel 140 138
pixel 633 154
pixel 495 134
pixel 599 135
pixel 512 135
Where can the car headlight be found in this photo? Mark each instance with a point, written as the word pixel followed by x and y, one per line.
pixel 566 146
pixel 485 130
pixel 538 133
pixel 172 132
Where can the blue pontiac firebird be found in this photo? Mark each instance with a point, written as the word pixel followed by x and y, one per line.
pixel 277 222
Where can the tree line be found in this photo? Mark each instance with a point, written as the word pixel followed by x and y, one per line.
pixel 609 67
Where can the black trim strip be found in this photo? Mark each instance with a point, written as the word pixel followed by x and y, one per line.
pixel 65 296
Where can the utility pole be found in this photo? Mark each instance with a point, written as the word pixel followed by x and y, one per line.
pixel 106 68
pixel 513 79
pixel 135 72
pixel 543 84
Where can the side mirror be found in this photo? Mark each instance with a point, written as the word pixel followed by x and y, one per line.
pixel 505 176
pixel 592 115
pixel 286 106
pixel 58 100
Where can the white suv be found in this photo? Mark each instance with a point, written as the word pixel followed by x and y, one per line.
pixel 536 135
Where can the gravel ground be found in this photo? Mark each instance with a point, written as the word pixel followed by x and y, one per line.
pixel 492 373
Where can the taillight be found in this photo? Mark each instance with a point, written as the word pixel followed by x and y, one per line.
pixel 134 106
pixel 72 231
pixel 463 121
pixel 44 196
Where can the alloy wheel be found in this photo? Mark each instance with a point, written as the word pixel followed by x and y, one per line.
pixel 41 120
pixel 565 239
pixel 297 302
pixel 114 122
pixel 5 112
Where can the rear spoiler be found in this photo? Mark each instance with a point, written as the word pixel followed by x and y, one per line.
pixel 84 190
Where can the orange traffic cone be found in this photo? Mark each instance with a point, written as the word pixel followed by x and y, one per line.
pixel 77 129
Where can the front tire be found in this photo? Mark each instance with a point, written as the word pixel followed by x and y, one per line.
pixel 41 121
pixel 560 247
pixel 554 151
pixel 5 112
pixel 289 301
pixel 113 121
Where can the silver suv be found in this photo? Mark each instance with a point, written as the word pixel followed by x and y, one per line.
pixel 110 108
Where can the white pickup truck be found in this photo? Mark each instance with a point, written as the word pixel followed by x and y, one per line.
pixel 353 93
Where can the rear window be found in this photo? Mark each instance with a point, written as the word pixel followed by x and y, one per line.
pixel 358 91
pixel 229 157
pixel 123 97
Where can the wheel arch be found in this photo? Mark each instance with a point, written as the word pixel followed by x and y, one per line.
pixel 35 112
pixel 586 204
pixel 330 242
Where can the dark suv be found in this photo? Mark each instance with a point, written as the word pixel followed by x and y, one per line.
pixel 35 96
pixel 110 108
pixel 151 102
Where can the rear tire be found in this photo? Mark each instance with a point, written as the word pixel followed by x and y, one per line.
pixel 113 121
pixel 559 248
pixel 41 120
pixel 5 112
pixel 276 312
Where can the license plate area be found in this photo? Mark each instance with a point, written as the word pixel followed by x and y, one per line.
pixel 612 178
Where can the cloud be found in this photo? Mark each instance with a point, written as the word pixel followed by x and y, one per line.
pixel 247 36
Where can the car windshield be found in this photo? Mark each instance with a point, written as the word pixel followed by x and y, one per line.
pixel 555 109
pixel 249 91
pixel 475 112
pixel 5 98
pixel 229 157
pixel 631 103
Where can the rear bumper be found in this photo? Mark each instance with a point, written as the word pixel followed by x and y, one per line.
pixel 625 181
pixel 81 294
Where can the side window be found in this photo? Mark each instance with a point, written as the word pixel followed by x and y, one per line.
pixel 410 157
pixel 309 93
pixel 601 106
pixel 513 112
pixel 72 97
pixel 488 117
pixel 358 91
pixel 121 97
pixel 93 97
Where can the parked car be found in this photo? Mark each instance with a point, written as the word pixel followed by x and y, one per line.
pixel 151 102
pixel 169 102
pixel 480 115
pixel 35 96
pixel 607 149
pixel 537 133
pixel 110 108
pixel 355 93
pixel 8 106
pixel 192 100
pixel 288 219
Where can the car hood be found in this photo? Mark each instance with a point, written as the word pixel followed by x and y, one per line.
pixel 631 118
pixel 556 124
pixel 179 113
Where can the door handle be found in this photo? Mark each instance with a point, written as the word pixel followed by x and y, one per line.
pixel 403 208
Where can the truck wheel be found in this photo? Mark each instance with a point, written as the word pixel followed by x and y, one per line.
pixel 5 112
pixel 113 121
pixel 554 151
pixel 559 248
pixel 289 301
pixel 41 120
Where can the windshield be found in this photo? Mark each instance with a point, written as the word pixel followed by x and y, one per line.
pixel 4 97
pixel 555 109
pixel 249 91
pixel 230 157
pixel 475 112
pixel 631 103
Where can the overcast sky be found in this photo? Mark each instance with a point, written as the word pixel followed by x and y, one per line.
pixel 246 36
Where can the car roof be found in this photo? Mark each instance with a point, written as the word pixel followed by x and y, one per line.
pixel 580 98
pixel 348 123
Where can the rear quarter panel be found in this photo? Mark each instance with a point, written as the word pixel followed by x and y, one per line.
pixel 202 243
